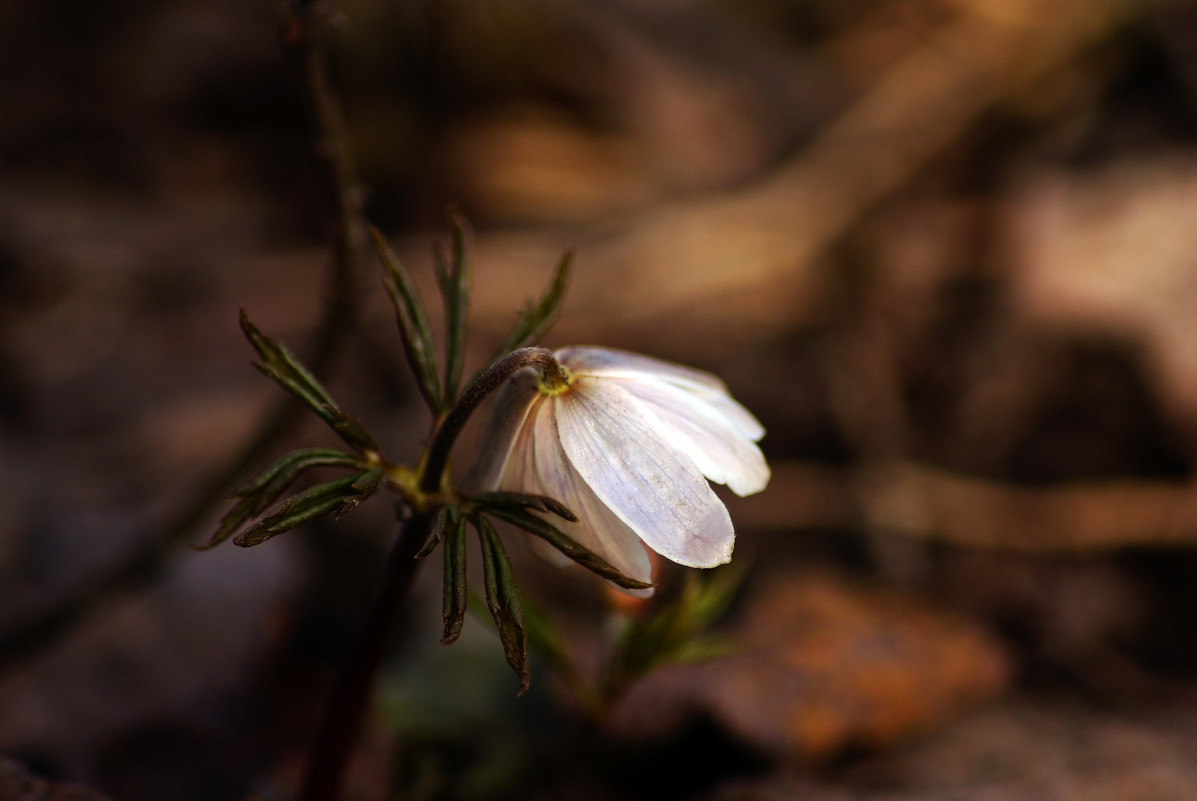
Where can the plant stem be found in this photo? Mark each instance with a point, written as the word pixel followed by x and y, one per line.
pixel 345 708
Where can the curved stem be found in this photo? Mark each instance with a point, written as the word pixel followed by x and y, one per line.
pixel 475 393
pixel 346 705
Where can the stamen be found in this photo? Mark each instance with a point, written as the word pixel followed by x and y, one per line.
pixel 554 382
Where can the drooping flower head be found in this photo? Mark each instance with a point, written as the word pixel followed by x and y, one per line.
pixel 628 444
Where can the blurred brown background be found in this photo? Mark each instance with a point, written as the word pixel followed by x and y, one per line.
pixel 943 249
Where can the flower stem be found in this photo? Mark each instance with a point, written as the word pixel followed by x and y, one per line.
pixel 346 706
pixel 345 710
pixel 487 382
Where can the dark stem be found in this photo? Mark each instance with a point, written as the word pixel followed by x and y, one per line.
pixel 305 32
pixel 345 707
pixel 475 393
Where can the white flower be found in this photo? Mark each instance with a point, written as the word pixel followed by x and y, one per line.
pixel 627 443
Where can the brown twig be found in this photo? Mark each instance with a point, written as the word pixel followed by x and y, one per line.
pixel 776 231
pixel 304 37
pixel 928 504
pixel 345 708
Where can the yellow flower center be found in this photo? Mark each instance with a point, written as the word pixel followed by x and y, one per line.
pixel 555 383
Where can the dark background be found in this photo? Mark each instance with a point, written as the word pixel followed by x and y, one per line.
pixel 944 251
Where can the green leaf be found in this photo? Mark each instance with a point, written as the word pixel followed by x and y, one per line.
pixel 454 601
pixel 503 600
pixel 366 485
pixel 290 466
pixel 539 527
pixel 304 506
pixel 437 532
pixel 263 490
pixel 677 632
pixel 536 318
pixel 714 593
pixel 413 323
pixel 704 647
pixel 281 365
pixel 454 280
pixel 522 501
pixel 352 432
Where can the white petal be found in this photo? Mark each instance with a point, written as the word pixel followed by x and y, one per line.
pixel 737 415
pixel 610 363
pixel 507 416
pixel 598 528
pixel 538 465
pixel 719 450
pixel 616 447
pixel 587 360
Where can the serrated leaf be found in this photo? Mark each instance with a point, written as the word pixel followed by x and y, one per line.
pixel 352 432
pixel 503 600
pixel 453 277
pixel 521 501
pixel 285 379
pixel 455 598
pixel 539 527
pixel 282 366
pixel 291 465
pixel 266 488
pixel 413 323
pixel 536 318
pixel 300 508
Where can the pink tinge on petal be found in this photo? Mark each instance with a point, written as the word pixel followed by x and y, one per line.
pixel 503 427
pixel 520 476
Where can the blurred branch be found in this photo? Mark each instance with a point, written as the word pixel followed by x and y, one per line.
pixel 306 30
pixel 304 33
pixel 934 505
pixel 345 707
pixel 774 231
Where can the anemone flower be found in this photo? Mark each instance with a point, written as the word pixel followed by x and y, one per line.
pixel 628 443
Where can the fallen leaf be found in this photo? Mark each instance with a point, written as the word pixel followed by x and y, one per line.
pixel 823 665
